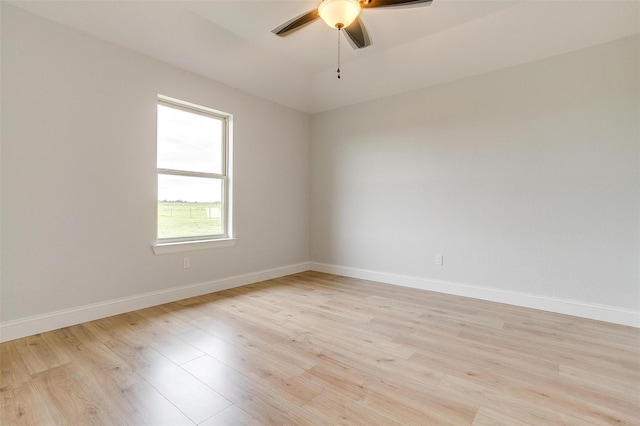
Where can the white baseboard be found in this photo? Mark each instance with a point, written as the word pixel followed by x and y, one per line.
pixel 563 306
pixel 11 330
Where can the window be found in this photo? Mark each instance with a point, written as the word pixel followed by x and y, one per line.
pixel 193 173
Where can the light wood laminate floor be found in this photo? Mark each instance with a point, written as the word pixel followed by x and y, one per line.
pixel 320 349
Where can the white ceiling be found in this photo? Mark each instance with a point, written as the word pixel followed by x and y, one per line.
pixel 231 41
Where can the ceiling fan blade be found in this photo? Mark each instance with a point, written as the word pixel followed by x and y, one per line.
pixel 394 3
pixel 357 34
pixel 296 23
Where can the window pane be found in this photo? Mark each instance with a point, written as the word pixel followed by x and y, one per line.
pixel 189 206
pixel 189 141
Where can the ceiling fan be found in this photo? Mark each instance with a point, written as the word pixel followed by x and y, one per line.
pixel 343 14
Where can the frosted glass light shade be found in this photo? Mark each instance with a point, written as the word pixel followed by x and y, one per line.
pixel 339 13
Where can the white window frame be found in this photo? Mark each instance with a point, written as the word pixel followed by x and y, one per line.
pixel 225 239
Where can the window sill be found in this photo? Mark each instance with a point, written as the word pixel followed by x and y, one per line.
pixel 166 248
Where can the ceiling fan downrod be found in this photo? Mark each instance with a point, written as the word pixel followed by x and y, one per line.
pixel 339 27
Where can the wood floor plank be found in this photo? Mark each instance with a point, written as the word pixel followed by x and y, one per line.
pixel 491 417
pixel 22 404
pixel 269 364
pixel 185 391
pixel 38 355
pixel 12 367
pixel 73 398
pixel 621 390
pixel 561 352
pixel 124 390
pixel 257 399
pixel 320 349
pixel 231 416
pixel 334 410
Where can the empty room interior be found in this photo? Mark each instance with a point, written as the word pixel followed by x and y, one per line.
pixel 428 216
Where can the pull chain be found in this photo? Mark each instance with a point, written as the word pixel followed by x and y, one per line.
pixel 339 29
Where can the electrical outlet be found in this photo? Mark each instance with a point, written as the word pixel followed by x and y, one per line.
pixel 186 262
pixel 439 259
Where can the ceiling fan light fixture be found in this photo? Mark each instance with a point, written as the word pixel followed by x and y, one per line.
pixel 339 13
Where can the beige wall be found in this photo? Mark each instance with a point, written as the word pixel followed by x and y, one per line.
pixel 79 178
pixel 525 179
